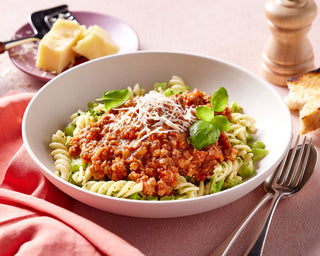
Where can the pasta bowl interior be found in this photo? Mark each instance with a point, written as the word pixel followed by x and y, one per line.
pixel 52 106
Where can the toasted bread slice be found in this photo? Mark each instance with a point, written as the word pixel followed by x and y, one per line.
pixel 304 95
pixel 310 115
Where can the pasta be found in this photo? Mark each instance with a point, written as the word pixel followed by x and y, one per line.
pixel 121 188
pixel 245 121
pixel 225 168
pixel 81 120
pixel 61 155
pixel 185 189
pixel 82 176
pixel 136 90
pixel 124 178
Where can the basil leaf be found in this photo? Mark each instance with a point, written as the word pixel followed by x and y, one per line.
pixel 222 123
pixel 112 99
pixel 205 113
pixel 203 134
pixel 219 99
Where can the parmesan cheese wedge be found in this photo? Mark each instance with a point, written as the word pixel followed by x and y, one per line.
pixel 55 49
pixel 96 43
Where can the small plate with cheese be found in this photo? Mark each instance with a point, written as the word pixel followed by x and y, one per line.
pixel 108 34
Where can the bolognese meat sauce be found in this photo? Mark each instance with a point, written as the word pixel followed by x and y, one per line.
pixel 146 140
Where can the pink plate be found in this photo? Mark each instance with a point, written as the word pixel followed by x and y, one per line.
pixel 24 56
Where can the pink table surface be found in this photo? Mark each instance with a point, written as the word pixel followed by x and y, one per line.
pixel 234 31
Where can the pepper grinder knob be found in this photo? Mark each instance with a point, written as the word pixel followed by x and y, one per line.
pixel 288 52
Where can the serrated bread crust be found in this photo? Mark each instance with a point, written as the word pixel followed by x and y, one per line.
pixel 304 95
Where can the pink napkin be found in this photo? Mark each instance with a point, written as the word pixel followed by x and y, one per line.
pixel 36 217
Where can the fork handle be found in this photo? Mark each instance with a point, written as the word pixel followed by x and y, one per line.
pixel 225 246
pixel 256 247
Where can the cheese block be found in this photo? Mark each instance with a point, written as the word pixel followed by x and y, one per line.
pixel 95 43
pixel 55 49
pixel 304 95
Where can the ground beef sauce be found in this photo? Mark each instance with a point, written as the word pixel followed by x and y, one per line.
pixel 153 151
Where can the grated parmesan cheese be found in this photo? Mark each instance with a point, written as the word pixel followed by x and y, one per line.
pixel 152 112
pixel 24 49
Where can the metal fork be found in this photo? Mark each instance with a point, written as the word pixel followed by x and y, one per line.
pixel 288 179
pixel 286 182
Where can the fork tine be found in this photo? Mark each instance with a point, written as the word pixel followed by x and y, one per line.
pixel 293 173
pixel 304 164
pixel 287 163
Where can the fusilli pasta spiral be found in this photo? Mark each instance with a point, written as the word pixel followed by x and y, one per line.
pixel 121 188
pixel 136 90
pixel 82 120
pixel 177 83
pixel 186 189
pixel 61 155
pixel 224 169
pixel 244 120
pixel 83 175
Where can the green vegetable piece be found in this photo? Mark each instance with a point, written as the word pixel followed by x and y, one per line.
pixel 70 179
pixel 166 198
pixel 249 137
pixel 76 163
pixel 222 123
pixel 135 196
pixel 160 87
pixel 259 153
pixel 219 99
pixel 169 92
pixel 203 134
pixel 112 99
pixel 247 170
pixel 69 129
pixel 216 186
pixel 92 105
pixel 236 107
pixel 152 198
pixel 232 182
pixel 205 113
pixel 258 144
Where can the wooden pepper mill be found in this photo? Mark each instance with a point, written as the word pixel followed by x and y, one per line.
pixel 288 51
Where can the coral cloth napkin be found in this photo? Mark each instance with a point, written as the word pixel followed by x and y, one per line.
pixel 36 217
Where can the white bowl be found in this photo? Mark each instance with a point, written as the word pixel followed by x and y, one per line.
pixel 51 107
